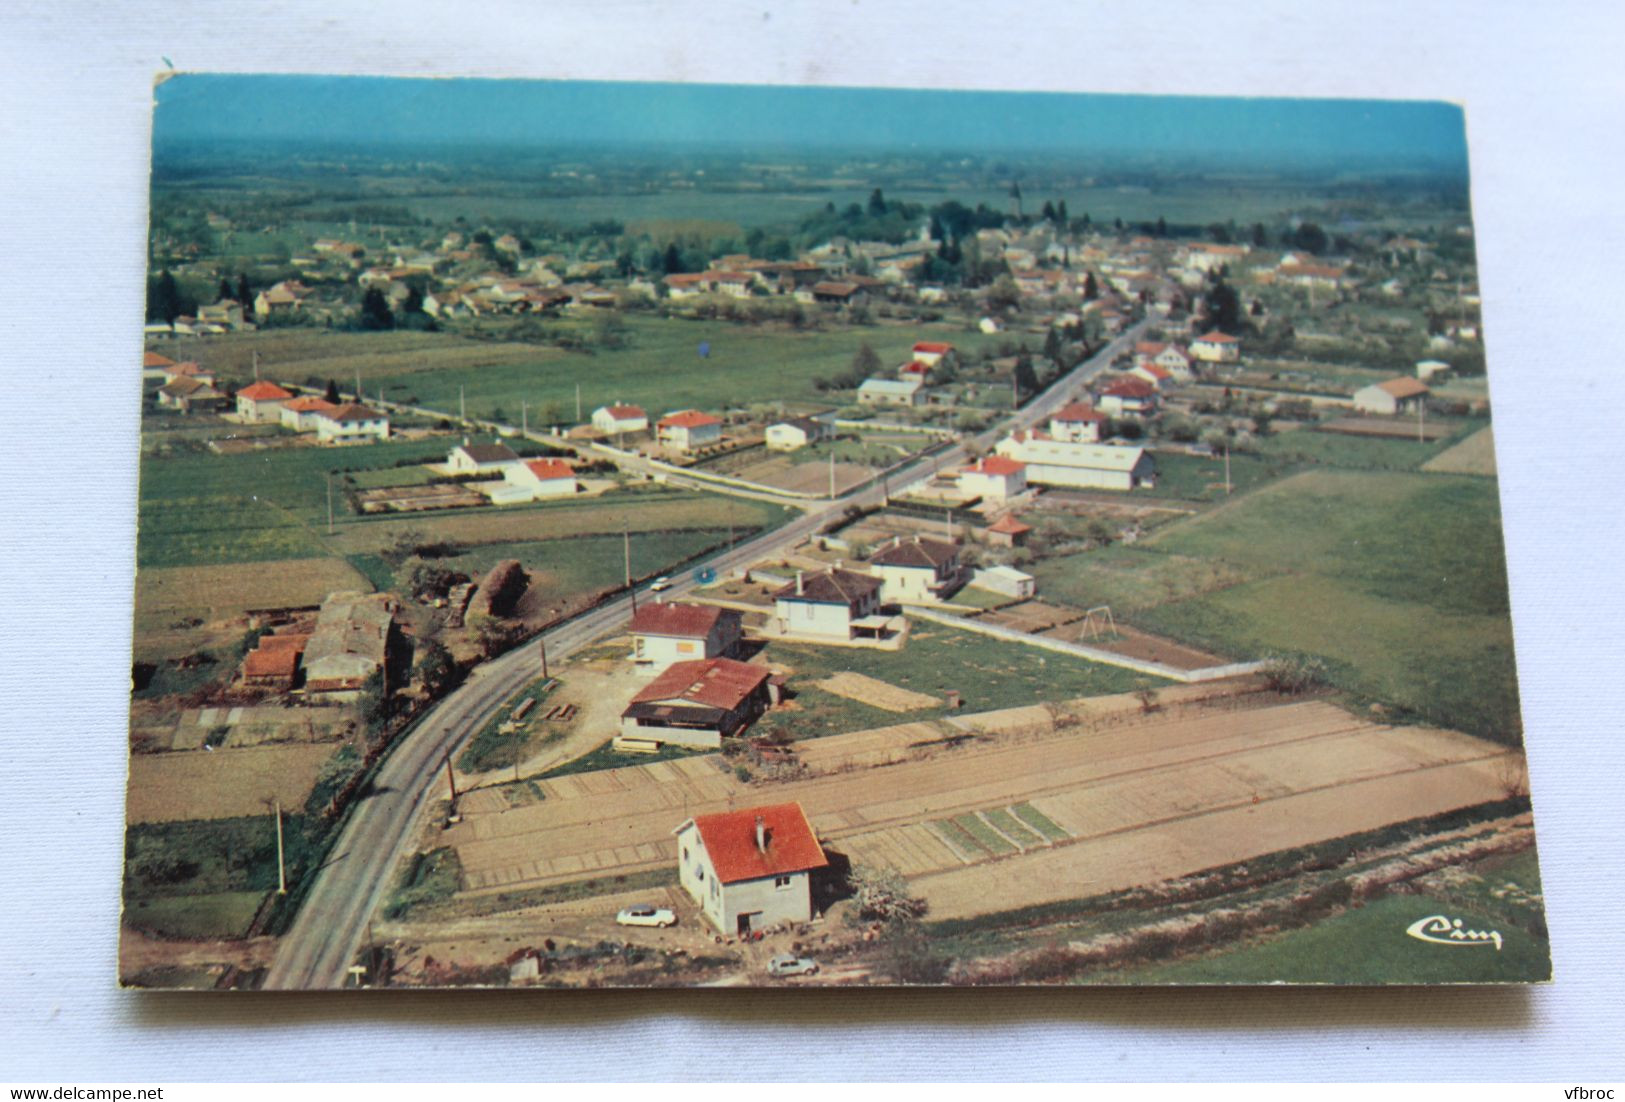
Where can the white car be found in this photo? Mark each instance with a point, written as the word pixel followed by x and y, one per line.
pixel 788 964
pixel 659 584
pixel 646 914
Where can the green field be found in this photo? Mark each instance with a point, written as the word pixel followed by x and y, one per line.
pixel 1368 945
pixel 1397 580
pixel 216 915
pixel 1198 478
pixel 1335 449
pixel 987 673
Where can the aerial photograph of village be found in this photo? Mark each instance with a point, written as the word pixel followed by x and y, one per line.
pixel 618 535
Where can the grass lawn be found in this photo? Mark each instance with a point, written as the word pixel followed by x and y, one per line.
pixel 1336 449
pixel 216 915
pixel 1368 944
pixel 988 674
pixel 1397 580
pixel 1130 578
pixel 1198 478
pixel 607 757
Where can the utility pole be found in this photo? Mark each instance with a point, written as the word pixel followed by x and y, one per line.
pixel 1227 468
pixel 948 517
pixel 358 394
pixel 256 365
pixel 1421 421
pixel 451 779
pixel 626 544
pixel 578 403
pixel 462 406
pixel 330 503
pixel 281 866
pixel 524 418
pixel 832 476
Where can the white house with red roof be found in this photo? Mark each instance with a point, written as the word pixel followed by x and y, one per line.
pixel 1217 348
pixel 533 480
pixel 750 869
pixel 351 423
pixel 994 478
pixel 834 604
pixel 1155 374
pixel 471 458
pixel 932 353
pixel 620 418
pixel 1128 395
pixel 299 414
pixel 1176 361
pixel 1400 395
pixel 688 430
pixel 698 703
pixel 664 633
pixel 261 401
pixel 1079 421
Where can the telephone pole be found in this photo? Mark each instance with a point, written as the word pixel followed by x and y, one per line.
pixel 578 403
pixel 462 406
pixel 524 418
pixel 330 503
pixel 281 866
pixel 832 476
pixel 451 779
pixel 358 395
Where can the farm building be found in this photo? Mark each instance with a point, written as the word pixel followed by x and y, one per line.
pixel 750 869
pixel 187 370
pixel 917 571
pixel 688 430
pixel 493 458
pixel 1078 421
pixel 1068 464
pixel 351 423
pixel 1128 396
pixel 1004 580
pixel 698 703
pixel 299 414
pixel 261 401
pixel 274 662
pixel 620 418
pixel 532 480
pixel 1007 531
pixel 994 478
pixel 665 633
pixel 798 432
pixel 1216 347
pixel 833 604
pixel 188 395
pixel 350 642
pixel 1399 395
pixel 892 392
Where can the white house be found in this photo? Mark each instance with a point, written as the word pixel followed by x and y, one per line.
pixel 1174 360
pixel 299 414
pixel 797 432
pixel 892 392
pixel 994 478
pixel 917 571
pixel 750 869
pixel 1155 374
pixel 351 423
pixel 1399 395
pixel 1070 464
pixel 261 401
pixel 665 633
pixel 832 605
pixel 1128 395
pixel 1216 347
pixel 534 481
pixel 620 418
pixel 1426 370
pixel 932 353
pixel 688 430
pixel 493 458
pixel 1004 580
pixel 1077 421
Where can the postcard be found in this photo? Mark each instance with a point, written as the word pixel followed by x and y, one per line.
pixel 636 535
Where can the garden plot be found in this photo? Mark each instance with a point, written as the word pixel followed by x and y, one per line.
pixel 223 784
pixel 414 499
pixel 856 686
pixel 1474 455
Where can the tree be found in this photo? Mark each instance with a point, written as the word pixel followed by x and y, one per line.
pixel 1162 226
pixel 1048 213
pixel 1223 309
pixel 1060 213
pixel 435 670
pixel 1004 294
pixel 1052 345
pixel 1026 379
pixel 164 301
pixel 672 261
pixel 332 394
pixel 877 204
pixel 1260 238
pixel 375 312
pixel 882 895
pixel 864 363
pixel 225 289
pixel 1091 289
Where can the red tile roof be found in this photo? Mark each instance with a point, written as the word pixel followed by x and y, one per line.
pixel 263 391
pixel 998 464
pixel 831 587
pixel 1078 411
pixel 917 552
pixel 688 419
pixel 1155 371
pixel 1130 388
pixel 275 655
pixel 626 413
pixel 711 682
pixel 352 411
pixel 309 405
pixel 915 367
pixel 156 359
pixel 933 347
pixel 549 469
pixel 1404 387
pixel 1217 337
pixel 730 842
pixel 685 621
pixel 1009 525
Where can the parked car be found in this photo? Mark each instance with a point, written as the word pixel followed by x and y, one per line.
pixel 788 964
pixel 659 584
pixel 646 914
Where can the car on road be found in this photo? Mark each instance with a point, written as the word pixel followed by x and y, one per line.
pixel 659 584
pixel 788 964
pixel 645 914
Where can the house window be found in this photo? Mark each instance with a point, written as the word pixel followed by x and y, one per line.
pixel 781 882
pixel 685 855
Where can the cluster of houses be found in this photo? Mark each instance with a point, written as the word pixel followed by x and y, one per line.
pixel 911 384
pixel 331 657
pixel 512 479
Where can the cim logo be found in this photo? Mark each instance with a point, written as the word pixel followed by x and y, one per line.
pixel 1443 930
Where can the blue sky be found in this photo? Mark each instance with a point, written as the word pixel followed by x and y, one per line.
pixel 205 107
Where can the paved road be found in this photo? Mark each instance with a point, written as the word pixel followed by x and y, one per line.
pixel 328 931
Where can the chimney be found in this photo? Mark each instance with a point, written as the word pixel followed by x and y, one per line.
pixel 897 541
pixel 465 441
pixel 801 588
pixel 761 834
